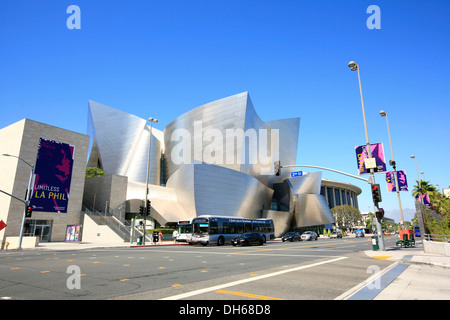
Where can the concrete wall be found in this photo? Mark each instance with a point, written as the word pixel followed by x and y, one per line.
pixel 93 232
pixel 110 193
pixel 22 139
pixel 436 247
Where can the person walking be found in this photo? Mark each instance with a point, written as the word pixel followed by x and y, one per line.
pixel 174 236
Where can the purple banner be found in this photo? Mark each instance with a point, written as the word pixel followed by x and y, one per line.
pixel 424 198
pixel 53 174
pixel 401 178
pixel 377 153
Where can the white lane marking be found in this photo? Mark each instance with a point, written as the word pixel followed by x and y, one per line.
pixel 238 282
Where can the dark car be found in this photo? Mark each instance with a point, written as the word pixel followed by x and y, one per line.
pixel 336 234
pixel 291 236
pixel 246 239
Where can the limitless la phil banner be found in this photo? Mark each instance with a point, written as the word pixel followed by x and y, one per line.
pixel 53 175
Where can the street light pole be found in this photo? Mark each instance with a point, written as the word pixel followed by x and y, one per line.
pixel 27 198
pixel 420 213
pixel 148 173
pixel 384 114
pixel 355 67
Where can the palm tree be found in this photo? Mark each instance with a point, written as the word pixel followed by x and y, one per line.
pixel 424 188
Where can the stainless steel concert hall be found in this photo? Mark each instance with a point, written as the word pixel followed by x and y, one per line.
pixel 216 159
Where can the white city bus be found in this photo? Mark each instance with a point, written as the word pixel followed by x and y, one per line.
pixel 219 230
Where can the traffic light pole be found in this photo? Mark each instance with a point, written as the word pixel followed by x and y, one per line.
pixel 371 181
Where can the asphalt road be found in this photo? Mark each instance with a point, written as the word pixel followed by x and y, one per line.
pixel 316 270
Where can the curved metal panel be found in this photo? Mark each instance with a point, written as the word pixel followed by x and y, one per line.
pixel 307 184
pixel 208 189
pixel 226 133
pixel 282 220
pixel 120 141
pixel 312 210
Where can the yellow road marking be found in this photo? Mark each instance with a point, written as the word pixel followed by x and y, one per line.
pixel 382 257
pixel 176 285
pixel 126 265
pixel 122 280
pixel 248 295
pixel 96 262
pixel 204 271
pixel 161 267
pixel 16 268
pixel 47 271
pixel 253 274
pixel 310 246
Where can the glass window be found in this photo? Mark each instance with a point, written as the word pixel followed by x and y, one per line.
pixel 226 228
pixel 213 227
pixel 344 199
pixel 330 197
pixel 338 198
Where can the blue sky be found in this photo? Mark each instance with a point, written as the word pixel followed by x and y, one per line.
pixel 163 58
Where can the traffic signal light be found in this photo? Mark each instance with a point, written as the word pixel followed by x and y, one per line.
pixel 29 211
pixel 141 210
pixel 380 214
pixel 376 193
pixel 147 212
pixel 277 167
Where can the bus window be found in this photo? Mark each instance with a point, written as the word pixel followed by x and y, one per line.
pixel 240 227
pixel 213 227
pixel 226 228
pixel 248 227
pixel 233 228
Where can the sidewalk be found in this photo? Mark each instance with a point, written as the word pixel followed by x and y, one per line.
pixel 413 275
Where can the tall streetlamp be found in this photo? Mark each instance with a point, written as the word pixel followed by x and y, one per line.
pixel 420 212
pixel 355 67
pixel 27 198
pixel 393 164
pixel 147 207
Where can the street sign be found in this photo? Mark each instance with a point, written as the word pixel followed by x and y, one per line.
pixel 296 174
pixel 2 225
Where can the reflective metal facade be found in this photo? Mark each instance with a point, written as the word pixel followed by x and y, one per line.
pixel 211 164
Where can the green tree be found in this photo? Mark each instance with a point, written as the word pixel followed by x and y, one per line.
pixel 424 187
pixel 346 216
pixel 94 172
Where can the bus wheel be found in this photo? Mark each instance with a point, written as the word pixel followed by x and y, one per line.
pixel 205 244
pixel 220 241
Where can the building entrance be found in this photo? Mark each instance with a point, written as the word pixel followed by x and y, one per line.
pixel 39 228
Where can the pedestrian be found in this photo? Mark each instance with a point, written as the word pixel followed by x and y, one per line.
pixel 160 237
pixel 174 236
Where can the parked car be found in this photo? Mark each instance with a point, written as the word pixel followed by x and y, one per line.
pixel 246 239
pixel 359 233
pixel 336 234
pixel 309 235
pixel 291 236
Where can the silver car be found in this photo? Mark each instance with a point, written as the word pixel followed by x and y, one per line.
pixel 309 235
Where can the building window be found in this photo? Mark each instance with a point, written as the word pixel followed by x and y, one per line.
pixel 330 197
pixel 338 197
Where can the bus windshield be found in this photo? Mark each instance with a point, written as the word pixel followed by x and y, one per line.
pixel 185 228
pixel 201 227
